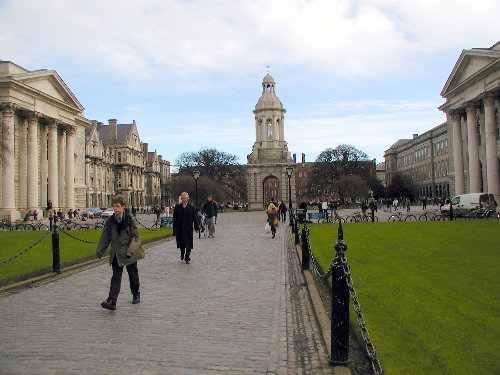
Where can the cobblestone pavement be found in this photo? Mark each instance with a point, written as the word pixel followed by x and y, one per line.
pixel 240 307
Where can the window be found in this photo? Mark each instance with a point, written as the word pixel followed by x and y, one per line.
pixel 119 157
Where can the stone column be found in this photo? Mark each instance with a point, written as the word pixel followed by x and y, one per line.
pixel 33 163
pixel 53 165
pixel 70 168
pixel 8 183
pixel 491 146
pixel 458 161
pixel 22 166
pixel 43 166
pixel 474 166
pixel 61 148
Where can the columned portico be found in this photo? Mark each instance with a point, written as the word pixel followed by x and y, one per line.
pixel 70 168
pixel 458 154
pixel 474 166
pixel 53 165
pixel 23 159
pixel 61 153
pixel 8 172
pixel 473 89
pixel 43 166
pixel 492 164
pixel 32 181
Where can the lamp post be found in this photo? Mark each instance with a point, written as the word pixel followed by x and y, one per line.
pixel 289 171
pixel 196 175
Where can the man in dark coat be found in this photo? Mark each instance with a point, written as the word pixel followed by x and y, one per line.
pixel 184 220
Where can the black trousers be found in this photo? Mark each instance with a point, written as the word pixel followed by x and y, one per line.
pixel 186 254
pixel 116 279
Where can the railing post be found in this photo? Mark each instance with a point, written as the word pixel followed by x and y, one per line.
pixel 51 218
pixel 305 248
pixel 296 229
pixel 451 212
pixel 56 261
pixel 340 305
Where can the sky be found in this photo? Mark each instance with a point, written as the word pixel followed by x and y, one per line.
pixel 189 72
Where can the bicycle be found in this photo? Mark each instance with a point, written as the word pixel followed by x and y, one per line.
pixel 399 216
pixel 427 216
pixel 360 217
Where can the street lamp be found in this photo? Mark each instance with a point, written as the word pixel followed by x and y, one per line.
pixel 289 172
pixel 196 175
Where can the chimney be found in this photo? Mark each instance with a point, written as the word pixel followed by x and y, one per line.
pixel 303 158
pixel 113 127
pixel 415 136
pixel 295 158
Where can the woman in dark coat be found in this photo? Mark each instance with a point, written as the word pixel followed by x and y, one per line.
pixel 183 222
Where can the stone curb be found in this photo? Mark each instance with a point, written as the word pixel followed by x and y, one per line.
pixel 321 314
pixel 67 271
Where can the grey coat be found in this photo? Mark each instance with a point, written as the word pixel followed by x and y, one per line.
pixel 119 235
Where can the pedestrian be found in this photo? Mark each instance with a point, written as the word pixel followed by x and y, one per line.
pixel 273 216
pixel 210 210
pixel 35 215
pixel 183 222
pixel 167 210
pixel 424 203
pixel 282 209
pixel 49 206
pixel 121 232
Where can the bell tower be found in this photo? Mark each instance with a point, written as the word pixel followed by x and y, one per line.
pixel 270 144
pixel 266 172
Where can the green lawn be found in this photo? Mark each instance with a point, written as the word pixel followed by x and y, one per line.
pixel 429 292
pixel 39 259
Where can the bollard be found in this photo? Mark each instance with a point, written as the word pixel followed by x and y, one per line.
pixel 51 218
pixel 56 261
pixel 373 215
pixel 291 218
pixel 340 306
pixel 305 249
pixel 451 212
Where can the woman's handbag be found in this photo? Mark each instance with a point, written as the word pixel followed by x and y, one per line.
pixel 267 227
pixel 276 222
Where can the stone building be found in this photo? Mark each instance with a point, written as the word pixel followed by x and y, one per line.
pixel 99 169
pixel 153 174
pixel 461 155
pixel 425 159
pixel 267 164
pixel 130 160
pixel 43 129
pixel 472 94
pixel 53 153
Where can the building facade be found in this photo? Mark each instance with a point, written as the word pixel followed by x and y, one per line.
pixel 51 152
pixel 424 158
pixel 472 94
pixel 267 164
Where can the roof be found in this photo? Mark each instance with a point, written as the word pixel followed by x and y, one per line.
pixel 122 132
pixel 268 79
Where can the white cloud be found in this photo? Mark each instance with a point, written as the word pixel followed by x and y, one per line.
pixel 157 40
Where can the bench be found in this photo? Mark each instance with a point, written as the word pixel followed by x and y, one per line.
pixel 164 221
pixel 317 216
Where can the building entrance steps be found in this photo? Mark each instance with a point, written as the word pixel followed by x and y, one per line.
pixel 240 307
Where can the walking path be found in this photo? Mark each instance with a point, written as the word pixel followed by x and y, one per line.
pixel 240 307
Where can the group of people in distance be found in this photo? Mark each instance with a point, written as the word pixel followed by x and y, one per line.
pixel 122 234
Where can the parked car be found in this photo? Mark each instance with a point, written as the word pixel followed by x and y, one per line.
pixel 108 212
pixel 93 212
pixel 465 203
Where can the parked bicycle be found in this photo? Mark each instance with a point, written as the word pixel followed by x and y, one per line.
pixel 360 217
pixel 399 216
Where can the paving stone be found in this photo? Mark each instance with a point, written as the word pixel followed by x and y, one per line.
pixel 240 307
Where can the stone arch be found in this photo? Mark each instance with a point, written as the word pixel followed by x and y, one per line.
pixel 271 188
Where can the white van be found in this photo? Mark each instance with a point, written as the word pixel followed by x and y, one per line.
pixel 465 203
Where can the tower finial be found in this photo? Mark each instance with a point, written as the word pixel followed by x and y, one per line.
pixel 267 67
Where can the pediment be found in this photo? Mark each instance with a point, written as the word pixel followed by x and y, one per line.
pixel 469 65
pixel 49 83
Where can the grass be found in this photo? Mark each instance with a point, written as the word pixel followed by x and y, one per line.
pixel 429 292
pixel 39 259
